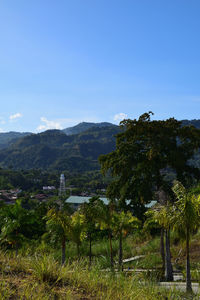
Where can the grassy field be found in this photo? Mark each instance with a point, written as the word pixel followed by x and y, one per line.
pixel 41 277
pixel 36 272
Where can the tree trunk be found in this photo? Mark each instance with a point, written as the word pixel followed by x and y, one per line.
pixel 120 252
pixel 17 245
pixel 188 275
pixel 111 251
pixel 90 250
pixel 168 264
pixel 63 251
pixel 162 249
pixel 16 249
pixel 78 250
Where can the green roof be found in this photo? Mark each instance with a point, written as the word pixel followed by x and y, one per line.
pixel 152 203
pixel 80 199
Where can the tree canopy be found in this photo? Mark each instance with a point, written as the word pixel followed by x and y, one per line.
pixel 145 151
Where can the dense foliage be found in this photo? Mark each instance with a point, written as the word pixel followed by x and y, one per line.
pixel 145 151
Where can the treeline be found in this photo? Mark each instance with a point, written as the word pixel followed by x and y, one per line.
pixel 32 181
pixel 29 181
pixel 56 223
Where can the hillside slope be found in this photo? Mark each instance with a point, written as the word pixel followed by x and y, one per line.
pixel 84 126
pixel 54 150
pixel 8 138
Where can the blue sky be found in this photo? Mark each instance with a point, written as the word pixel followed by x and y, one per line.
pixel 67 61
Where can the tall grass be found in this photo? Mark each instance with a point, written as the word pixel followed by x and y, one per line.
pixel 6 292
pixel 46 269
pixel 42 277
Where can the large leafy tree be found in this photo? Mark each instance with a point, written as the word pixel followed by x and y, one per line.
pixel 145 151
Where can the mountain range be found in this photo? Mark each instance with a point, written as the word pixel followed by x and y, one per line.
pixel 8 138
pixel 56 150
pixel 83 126
pixel 74 149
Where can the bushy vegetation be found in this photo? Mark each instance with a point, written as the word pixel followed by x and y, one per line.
pixel 36 267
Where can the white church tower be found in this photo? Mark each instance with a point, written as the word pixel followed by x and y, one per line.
pixel 62 188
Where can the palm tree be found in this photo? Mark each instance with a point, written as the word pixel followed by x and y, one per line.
pixel 184 217
pixel 151 223
pixel 159 215
pixel 58 223
pixel 122 223
pixel 89 210
pixel 105 221
pixel 77 229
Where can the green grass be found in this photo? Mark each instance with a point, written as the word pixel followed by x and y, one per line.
pixel 41 277
pixel 46 269
pixel 150 261
pixel 36 272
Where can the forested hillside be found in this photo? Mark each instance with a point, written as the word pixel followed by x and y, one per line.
pixel 53 149
pixel 63 150
pixel 8 138
pixel 85 126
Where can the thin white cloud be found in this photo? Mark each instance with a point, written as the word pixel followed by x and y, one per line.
pixel 47 124
pixel 120 116
pixel 15 116
pixel 61 123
